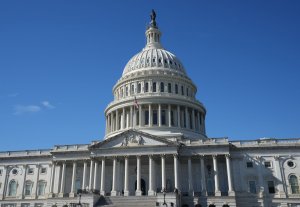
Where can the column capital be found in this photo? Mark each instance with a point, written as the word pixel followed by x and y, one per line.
pixel 201 156
pixel 227 156
pixel 176 156
pixel 138 156
pixel 215 156
pixel 162 155
pixel 151 156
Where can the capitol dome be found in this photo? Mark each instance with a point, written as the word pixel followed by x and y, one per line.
pixel 155 95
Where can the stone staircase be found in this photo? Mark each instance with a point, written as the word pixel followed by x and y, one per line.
pixel 124 201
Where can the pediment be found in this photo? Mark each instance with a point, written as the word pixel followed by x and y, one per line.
pixel 133 138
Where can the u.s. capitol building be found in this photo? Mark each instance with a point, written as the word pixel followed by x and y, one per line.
pixel 155 152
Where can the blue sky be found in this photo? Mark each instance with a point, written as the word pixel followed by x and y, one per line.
pixel 60 59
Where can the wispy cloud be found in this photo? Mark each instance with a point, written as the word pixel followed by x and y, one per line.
pixel 47 105
pixel 23 109
pixel 12 95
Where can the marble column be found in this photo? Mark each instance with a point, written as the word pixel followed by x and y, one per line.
pixel 140 115
pixel 131 117
pixel 280 193
pixel 102 188
pixel 178 116
pixel 24 182
pixel 260 176
pixel 159 115
pixel 91 175
pixel 117 120
pixel 123 118
pixel 84 176
pixel 95 175
pixel 73 184
pixel 111 122
pixel 216 176
pixel 62 181
pixel 150 115
pixel 163 172
pixel 138 191
pixel 169 115
pixel 190 176
pixel 176 186
pixel 52 180
pixel 37 180
pixel 187 120
pixel 114 181
pixel 203 180
pixel 199 121
pixel 193 120
pixel 229 176
pixel 151 174
pixel 126 181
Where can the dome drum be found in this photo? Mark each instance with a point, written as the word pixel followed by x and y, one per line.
pixel 155 95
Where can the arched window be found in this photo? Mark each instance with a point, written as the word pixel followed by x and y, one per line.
pixel 154 86
pixel 146 87
pixel 41 187
pixel 28 187
pixel 293 180
pixel 12 191
pixel 169 88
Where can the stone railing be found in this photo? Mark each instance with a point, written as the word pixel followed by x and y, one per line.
pixel 29 153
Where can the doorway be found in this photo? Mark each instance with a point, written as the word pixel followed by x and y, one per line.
pixel 143 186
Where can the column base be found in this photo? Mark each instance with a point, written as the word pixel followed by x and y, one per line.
pixel 72 195
pixel 204 193
pixel 126 193
pixel 61 195
pixel 138 193
pixel 113 193
pixel 280 194
pixel 51 195
pixel 191 193
pixel 231 193
pixel 151 193
pixel 218 193
pixel 102 192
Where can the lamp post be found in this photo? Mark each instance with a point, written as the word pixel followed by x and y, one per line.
pixel 164 191
pixel 79 202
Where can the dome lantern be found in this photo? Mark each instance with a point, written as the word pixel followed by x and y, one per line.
pixel 153 34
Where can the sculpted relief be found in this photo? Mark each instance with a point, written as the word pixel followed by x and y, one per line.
pixel 133 140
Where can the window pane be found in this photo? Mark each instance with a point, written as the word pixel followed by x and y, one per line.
pixel 162 87
pixel 252 187
pixel 154 87
pixel 271 187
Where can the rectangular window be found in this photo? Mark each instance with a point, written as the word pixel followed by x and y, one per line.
pixel 154 117
pixel 187 91
pixel 154 87
pixel 176 88
pixel 43 170
pixel 162 87
pixel 252 186
pixel 267 164
pixel 271 187
pixel 249 164
pixel 146 117
pixel 30 170
pixel 182 90
pixel 146 87
pixel 132 89
pixel 169 88
pixel 139 88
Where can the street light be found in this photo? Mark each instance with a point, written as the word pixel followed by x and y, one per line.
pixel 164 191
pixel 79 202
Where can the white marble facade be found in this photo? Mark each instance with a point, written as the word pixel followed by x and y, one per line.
pixel 155 147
